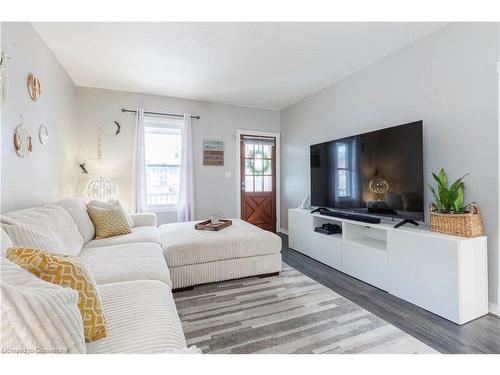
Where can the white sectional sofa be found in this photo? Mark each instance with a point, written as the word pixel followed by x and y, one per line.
pixel 130 270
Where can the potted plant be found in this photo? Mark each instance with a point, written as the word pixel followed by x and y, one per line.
pixel 448 213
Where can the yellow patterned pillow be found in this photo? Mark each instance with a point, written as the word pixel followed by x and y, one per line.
pixel 108 222
pixel 69 272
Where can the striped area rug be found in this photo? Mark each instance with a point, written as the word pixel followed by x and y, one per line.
pixel 289 313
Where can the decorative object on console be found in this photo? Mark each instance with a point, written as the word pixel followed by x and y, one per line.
pixel 34 88
pixel 466 224
pixel 207 225
pixel 22 140
pixel 101 188
pixel 306 203
pixel 43 135
pixel 448 214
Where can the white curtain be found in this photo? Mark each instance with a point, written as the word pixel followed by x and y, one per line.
pixel 185 208
pixel 140 187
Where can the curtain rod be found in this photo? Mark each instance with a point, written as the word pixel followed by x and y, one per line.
pixel 159 113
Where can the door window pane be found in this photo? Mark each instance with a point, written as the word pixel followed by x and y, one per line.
pixel 248 150
pixel 258 184
pixel 267 167
pixel 268 183
pixel 249 183
pixel 266 151
pixel 249 167
pixel 258 166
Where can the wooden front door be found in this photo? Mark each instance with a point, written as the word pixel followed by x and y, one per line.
pixel 258 181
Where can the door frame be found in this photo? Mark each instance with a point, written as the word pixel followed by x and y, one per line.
pixel 239 132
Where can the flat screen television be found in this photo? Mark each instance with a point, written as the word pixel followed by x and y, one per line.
pixel 376 173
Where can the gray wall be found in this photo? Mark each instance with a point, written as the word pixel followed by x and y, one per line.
pixel 48 173
pixel 214 193
pixel 448 79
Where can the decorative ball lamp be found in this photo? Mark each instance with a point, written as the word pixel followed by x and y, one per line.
pixel 101 188
pixel 378 184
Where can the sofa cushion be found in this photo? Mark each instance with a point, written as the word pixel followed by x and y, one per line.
pixel 69 272
pixel 5 241
pixel 47 227
pixel 184 245
pixel 37 315
pixel 142 318
pixel 139 234
pixel 127 262
pixel 77 208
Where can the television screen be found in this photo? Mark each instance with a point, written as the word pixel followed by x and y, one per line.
pixel 379 172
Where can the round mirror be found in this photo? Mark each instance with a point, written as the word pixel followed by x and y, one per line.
pixel 22 141
pixel 43 134
pixel 34 87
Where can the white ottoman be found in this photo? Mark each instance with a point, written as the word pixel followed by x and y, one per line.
pixel 199 257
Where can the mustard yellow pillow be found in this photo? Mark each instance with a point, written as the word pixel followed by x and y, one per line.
pixel 69 272
pixel 108 221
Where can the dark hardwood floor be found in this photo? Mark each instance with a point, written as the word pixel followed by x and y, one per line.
pixel 479 336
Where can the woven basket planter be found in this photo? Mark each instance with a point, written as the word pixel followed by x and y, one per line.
pixel 467 224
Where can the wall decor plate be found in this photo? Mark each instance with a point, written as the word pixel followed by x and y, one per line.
pixel 43 134
pixel 22 141
pixel 34 88
pixel 111 128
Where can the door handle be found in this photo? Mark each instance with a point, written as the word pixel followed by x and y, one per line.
pixel 243 185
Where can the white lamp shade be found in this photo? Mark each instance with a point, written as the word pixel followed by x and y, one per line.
pixel 101 188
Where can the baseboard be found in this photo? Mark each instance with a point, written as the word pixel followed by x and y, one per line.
pixel 283 230
pixel 494 309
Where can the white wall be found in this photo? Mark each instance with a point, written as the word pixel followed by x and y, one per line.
pixel 447 79
pixel 214 194
pixel 49 172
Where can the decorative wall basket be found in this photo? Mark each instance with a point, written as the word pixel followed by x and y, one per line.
pixel 22 140
pixel 34 88
pixel 468 224
pixel 43 135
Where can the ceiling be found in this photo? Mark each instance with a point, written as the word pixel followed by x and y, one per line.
pixel 264 65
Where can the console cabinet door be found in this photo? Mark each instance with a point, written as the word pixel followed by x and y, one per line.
pixel 300 226
pixel 423 270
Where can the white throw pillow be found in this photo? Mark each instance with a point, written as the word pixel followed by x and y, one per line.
pixel 47 227
pixel 77 208
pixel 38 317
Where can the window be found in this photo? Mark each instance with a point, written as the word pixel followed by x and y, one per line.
pixel 343 172
pixel 163 162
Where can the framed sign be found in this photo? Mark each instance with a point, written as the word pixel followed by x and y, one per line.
pixel 213 152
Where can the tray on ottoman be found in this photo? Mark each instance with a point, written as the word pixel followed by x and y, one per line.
pixel 207 225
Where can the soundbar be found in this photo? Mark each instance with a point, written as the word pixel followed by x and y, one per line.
pixel 349 216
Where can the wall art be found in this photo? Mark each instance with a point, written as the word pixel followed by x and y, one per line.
pixel 213 152
pixel 43 134
pixel 34 88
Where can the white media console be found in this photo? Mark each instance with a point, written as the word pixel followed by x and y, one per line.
pixel 444 274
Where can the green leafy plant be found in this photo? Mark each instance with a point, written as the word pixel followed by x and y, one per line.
pixel 448 199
